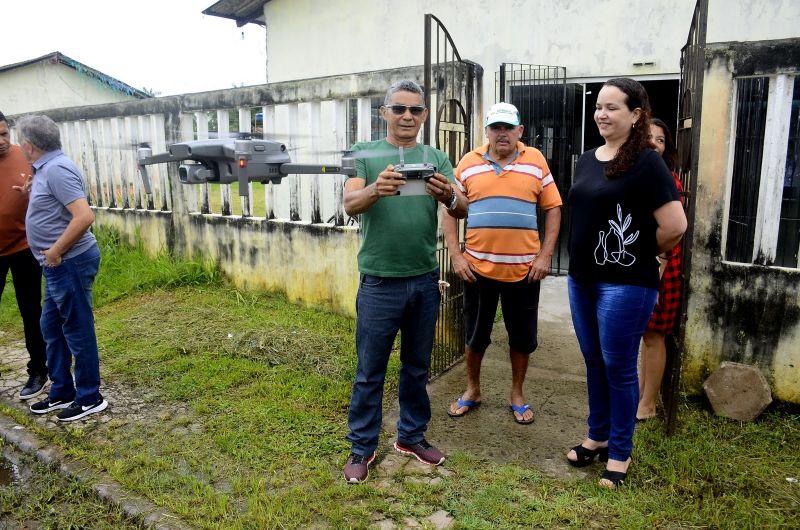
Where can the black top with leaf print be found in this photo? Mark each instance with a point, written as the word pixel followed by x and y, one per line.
pixel 613 233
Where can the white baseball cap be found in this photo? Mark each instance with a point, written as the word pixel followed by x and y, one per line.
pixel 502 113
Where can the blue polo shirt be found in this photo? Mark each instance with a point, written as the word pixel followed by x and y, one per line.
pixel 57 182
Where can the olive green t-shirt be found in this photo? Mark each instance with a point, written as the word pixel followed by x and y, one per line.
pixel 399 233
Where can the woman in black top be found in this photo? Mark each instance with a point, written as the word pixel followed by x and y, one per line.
pixel 625 212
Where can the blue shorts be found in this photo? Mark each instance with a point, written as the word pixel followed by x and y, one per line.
pixel 520 303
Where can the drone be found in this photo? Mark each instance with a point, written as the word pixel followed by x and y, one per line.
pixel 228 160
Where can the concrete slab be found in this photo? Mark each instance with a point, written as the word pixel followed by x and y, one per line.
pixel 738 391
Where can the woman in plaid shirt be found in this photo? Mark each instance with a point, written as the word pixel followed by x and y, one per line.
pixel 654 351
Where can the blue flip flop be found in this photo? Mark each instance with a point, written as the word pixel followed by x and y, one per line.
pixel 520 409
pixel 463 403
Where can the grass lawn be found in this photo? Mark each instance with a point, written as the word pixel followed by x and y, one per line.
pixel 258 201
pixel 244 402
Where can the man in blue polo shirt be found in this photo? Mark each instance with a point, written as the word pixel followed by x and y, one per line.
pixel 57 226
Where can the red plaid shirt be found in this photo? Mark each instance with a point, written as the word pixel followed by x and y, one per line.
pixel 669 294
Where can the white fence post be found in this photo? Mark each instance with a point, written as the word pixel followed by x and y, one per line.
pixel 244 126
pixel 223 131
pixel 186 135
pixel 268 129
pixel 201 119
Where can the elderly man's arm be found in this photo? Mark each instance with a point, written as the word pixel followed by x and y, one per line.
pixel 540 267
pixel 460 264
pixel 82 219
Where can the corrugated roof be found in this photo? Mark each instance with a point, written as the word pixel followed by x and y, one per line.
pixel 58 57
pixel 242 11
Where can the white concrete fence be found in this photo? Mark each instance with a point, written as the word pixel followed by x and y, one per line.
pixel 294 237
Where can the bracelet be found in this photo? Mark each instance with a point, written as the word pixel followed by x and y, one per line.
pixel 453 202
pixel 661 258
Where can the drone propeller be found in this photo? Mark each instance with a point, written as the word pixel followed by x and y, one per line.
pixel 124 146
pixel 360 154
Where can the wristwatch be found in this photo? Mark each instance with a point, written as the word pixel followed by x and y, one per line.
pixel 453 202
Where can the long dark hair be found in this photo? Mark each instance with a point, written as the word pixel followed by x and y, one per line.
pixel 628 154
pixel 670 155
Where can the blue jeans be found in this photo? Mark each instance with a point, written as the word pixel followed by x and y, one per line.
pixel 609 321
pixel 385 306
pixel 68 328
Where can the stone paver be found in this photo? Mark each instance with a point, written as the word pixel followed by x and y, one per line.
pixel 441 519
pixel 738 391
pixel 410 522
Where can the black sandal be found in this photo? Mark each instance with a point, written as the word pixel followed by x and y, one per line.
pixel 616 478
pixel 586 456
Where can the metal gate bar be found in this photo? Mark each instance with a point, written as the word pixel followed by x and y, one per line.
pixel 691 95
pixel 540 93
pixel 453 82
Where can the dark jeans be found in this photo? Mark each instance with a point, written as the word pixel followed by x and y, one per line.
pixel 385 306
pixel 609 321
pixel 27 277
pixel 68 328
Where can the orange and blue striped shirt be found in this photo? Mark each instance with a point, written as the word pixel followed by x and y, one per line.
pixel 502 229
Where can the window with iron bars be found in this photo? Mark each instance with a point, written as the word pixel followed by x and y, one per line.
pixel 763 216
pixel 377 125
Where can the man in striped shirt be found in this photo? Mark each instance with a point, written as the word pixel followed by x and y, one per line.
pixel 503 257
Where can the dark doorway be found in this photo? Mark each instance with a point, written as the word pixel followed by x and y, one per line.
pixel 550 109
pixel 663 99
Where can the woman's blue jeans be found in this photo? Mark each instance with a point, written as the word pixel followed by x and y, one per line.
pixel 68 328
pixel 385 306
pixel 609 321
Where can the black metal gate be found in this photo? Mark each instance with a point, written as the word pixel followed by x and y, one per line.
pixel 547 108
pixel 691 95
pixel 453 91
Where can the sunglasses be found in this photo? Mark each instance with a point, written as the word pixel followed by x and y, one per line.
pixel 415 110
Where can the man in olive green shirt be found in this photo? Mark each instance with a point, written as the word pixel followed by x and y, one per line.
pixel 399 275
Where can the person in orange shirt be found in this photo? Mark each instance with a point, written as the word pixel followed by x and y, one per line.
pixel 503 258
pixel 26 273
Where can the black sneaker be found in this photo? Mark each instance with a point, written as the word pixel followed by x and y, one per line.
pixel 46 405
pixel 356 470
pixel 423 451
pixel 33 387
pixel 76 412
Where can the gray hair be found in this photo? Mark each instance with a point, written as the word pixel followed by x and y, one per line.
pixel 40 131
pixel 406 85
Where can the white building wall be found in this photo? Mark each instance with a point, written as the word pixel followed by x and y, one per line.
pixel 591 38
pixel 741 20
pixel 42 86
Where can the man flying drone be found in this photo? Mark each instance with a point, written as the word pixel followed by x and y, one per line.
pixel 398 286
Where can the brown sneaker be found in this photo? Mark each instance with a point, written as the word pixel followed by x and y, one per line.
pixel 356 470
pixel 424 452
